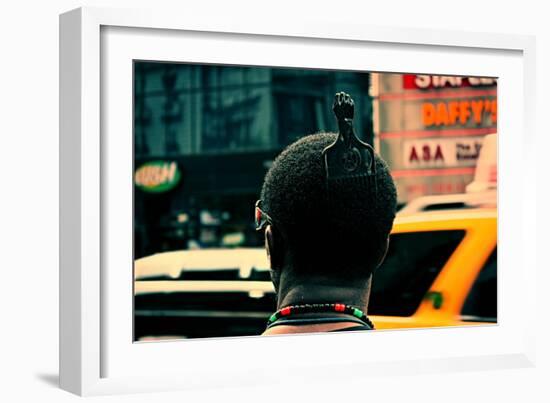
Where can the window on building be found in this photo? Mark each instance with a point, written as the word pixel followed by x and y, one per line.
pixel 297 116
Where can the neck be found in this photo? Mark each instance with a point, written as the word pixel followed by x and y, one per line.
pixel 319 290
pixel 323 293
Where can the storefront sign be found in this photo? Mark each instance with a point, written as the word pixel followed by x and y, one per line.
pixel 422 82
pixel 441 152
pixel 458 112
pixel 157 176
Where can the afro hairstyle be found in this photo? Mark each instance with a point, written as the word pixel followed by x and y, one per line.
pixel 344 239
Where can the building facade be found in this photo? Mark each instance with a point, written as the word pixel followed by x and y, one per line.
pixel 205 135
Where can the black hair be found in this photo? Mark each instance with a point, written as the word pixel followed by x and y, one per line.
pixel 345 239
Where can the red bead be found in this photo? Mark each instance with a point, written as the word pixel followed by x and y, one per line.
pixel 285 311
pixel 339 307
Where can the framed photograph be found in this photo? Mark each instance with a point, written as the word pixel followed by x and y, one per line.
pixel 236 197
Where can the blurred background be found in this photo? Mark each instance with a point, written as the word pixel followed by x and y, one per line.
pixel 205 135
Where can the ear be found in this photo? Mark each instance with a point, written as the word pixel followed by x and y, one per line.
pixel 273 249
pixel 386 247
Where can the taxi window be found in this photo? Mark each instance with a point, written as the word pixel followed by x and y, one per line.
pixel 413 262
pixel 481 303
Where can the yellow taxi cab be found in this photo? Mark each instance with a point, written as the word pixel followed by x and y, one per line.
pixel 440 271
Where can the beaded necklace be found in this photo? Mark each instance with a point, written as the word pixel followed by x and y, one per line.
pixel 319 308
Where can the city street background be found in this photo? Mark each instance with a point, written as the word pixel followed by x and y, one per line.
pixel 204 138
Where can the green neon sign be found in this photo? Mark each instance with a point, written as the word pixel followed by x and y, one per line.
pixel 157 176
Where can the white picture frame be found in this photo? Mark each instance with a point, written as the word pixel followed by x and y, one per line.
pixel 97 357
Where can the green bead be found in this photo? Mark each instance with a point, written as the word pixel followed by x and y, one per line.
pixel 357 312
pixel 273 317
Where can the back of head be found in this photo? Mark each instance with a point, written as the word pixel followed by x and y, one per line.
pixel 344 239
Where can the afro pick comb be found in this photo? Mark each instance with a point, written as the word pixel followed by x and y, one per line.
pixel 349 162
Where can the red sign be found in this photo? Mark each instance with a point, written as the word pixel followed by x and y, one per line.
pixel 425 82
